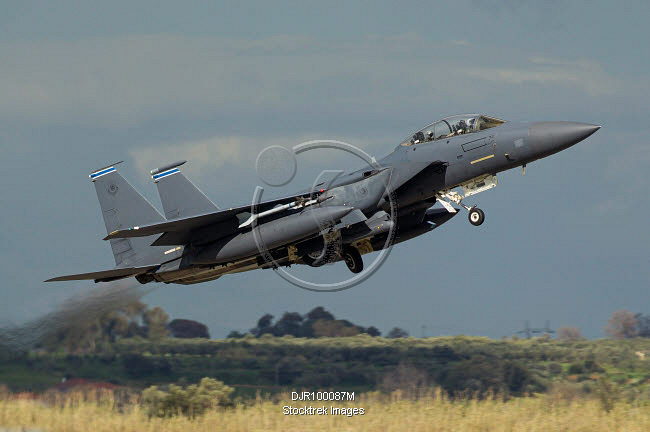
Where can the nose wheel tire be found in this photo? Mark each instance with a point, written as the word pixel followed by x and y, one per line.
pixel 476 216
pixel 353 259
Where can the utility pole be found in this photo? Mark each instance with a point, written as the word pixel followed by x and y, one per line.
pixel 528 331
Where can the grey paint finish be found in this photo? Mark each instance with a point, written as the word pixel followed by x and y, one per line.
pixel 212 243
pixel 123 207
pixel 279 232
pixel 180 198
pixel 547 138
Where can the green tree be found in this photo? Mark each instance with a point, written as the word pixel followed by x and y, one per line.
pixel 319 313
pixel 264 325
pixel 569 334
pixel 397 332
pixel 188 329
pixel 335 328
pixel 155 321
pixel 235 335
pixel 622 325
pixel 289 324
pixel 372 331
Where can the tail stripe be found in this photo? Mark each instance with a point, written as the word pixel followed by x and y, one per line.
pixel 157 177
pixel 94 176
pixel 179 197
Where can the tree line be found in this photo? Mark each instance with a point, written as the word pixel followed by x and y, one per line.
pixel 316 323
pixel 137 320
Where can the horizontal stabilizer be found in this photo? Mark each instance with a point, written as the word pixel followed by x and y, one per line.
pixel 105 275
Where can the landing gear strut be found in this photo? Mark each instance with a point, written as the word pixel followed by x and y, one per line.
pixel 476 216
pixel 352 259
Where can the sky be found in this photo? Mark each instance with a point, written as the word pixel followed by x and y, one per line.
pixel 85 84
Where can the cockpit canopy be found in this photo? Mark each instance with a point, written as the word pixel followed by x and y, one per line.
pixel 452 126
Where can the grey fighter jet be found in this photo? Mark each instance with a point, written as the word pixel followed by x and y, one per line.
pixel 195 241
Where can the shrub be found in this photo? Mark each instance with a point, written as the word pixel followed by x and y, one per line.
pixel 411 381
pixel 576 368
pixel 4 391
pixel 608 393
pixel 137 366
pixel 555 368
pixel 190 401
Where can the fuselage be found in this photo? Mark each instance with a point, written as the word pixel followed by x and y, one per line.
pixel 384 203
pixel 420 168
pixel 471 155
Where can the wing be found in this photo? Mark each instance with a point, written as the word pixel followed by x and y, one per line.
pixel 105 275
pixel 203 227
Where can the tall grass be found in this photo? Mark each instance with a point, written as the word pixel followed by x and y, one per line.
pixel 433 412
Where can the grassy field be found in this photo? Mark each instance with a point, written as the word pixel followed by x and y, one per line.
pixel 578 386
pixel 360 363
pixel 431 413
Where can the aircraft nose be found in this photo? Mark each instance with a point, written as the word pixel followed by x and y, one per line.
pixel 551 137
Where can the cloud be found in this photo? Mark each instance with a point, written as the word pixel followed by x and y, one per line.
pixel 582 74
pixel 625 172
pixel 208 155
pixel 128 80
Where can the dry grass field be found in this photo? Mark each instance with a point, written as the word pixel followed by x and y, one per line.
pixel 432 413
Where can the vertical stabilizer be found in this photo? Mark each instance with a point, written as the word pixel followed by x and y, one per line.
pixel 179 197
pixel 123 207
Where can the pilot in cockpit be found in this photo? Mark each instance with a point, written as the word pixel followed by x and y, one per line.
pixel 418 138
pixel 461 127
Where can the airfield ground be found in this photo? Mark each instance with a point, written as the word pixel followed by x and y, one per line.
pixel 431 413
pixel 444 383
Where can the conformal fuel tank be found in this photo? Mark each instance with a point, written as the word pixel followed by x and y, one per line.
pixel 273 234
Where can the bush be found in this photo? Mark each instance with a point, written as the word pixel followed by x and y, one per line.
pixel 187 329
pixel 555 368
pixel 411 381
pixel 137 366
pixel 190 401
pixel 576 369
pixel 608 393
pixel 4 392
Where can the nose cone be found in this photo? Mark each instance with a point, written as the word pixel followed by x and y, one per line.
pixel 551 137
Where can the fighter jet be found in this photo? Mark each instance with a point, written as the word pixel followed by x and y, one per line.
pixel 445 162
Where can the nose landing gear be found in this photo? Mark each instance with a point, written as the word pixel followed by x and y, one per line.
pixel 476 216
